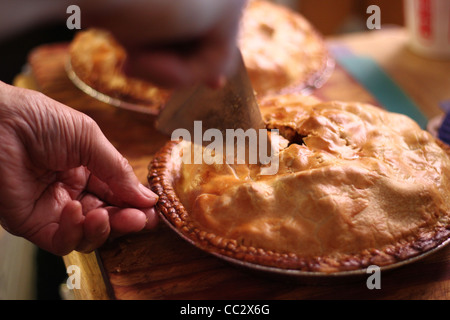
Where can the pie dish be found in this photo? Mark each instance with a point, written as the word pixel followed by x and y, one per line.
pixel 95 66
pixel 281 50
pixel 356 186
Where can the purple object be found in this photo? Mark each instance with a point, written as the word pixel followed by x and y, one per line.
pixel 445 106
pixel 444 129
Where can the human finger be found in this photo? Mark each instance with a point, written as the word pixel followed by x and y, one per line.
pixel 108 165
pixel 96 230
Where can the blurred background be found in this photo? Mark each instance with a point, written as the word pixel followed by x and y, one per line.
pixel 29 273
pixel 330 17
pixel 337 17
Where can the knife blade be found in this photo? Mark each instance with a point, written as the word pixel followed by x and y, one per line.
pixel 234 106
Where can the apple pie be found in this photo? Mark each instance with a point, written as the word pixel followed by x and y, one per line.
pixel 356 186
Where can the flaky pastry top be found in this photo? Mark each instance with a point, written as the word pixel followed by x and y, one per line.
pixel 352 177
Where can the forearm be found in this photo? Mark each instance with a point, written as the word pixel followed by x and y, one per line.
pixel 161 21
pixel 17 15
pixel 154 32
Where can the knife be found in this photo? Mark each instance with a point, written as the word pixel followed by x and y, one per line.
pixel 232 106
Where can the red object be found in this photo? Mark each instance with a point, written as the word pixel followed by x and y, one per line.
pixel 425 19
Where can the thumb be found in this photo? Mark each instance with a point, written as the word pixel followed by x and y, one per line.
pixel 59 138
pixel 108 165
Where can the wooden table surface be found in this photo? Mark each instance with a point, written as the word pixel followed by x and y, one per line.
pixel 159 265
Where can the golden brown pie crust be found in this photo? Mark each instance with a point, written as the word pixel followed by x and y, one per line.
pixel 364 187
pixel 282 51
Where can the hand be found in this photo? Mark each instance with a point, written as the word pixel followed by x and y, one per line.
pixel 172 43
pixel 64 187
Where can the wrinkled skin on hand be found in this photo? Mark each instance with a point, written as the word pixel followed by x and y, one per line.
pixel 63 185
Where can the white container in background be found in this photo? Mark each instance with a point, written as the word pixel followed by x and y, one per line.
pixel 428 24
pixel 17 268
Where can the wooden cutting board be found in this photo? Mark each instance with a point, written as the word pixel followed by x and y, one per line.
pixel 160 265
